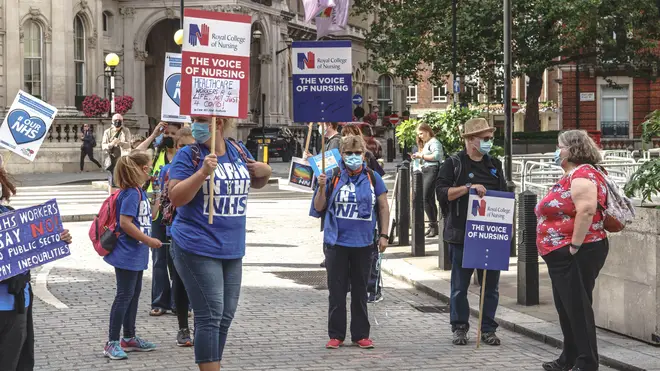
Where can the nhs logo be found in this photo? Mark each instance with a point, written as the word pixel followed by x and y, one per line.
pixel 306 60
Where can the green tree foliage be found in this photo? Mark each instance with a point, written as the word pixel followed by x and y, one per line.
pixel 612 36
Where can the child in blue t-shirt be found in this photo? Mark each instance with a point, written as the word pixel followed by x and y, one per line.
pixel 131 254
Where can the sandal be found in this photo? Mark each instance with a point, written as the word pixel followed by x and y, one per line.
pixel 157 312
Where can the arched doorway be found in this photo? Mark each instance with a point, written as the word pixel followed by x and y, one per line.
pixel 159 41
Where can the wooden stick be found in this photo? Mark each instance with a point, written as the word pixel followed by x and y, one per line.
pixel 481 307
pixel 212 176
pixel 323 148
pixel 309 136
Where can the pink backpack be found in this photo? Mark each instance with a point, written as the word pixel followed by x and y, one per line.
pixel 104 231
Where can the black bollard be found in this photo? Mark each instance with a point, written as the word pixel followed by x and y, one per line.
pixel 390 150
pixel 528 258
pixel 444 260
pixel 403 205
pixel 418 238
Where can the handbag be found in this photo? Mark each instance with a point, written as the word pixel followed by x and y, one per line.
pixel 112 155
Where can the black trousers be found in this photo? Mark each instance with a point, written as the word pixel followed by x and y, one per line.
pixel 573 279
pixel 346 265
pixel 17 340
pixel 87 152
pixel 429 175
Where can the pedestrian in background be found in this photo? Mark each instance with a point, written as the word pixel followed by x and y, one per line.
pixel 572 240
pixel 130 257
pixel 347 199
pixel 116 142
pixel 16 301
pixel 209 257
pixel 179 293
pixel 87 146
pixel 471 168
pixel 430 155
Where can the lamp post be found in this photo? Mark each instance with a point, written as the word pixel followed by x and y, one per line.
pixel 112 60
pixel 263 147
pixel 288 41
pixel 371 103
pixel 454 40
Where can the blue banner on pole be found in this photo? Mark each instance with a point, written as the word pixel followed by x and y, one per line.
pixel 322 81
pixel 489 231
pixel 29 238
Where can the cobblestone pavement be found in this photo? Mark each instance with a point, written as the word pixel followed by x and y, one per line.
pixel 281 319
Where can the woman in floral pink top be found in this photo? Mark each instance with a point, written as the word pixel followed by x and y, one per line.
pixel 573 243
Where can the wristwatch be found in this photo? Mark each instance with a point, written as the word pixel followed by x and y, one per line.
pixel 468 185
pixel 383 235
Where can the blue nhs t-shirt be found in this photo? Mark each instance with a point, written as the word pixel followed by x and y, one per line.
pixel 353 231
pixel 129 253
pixel 191 231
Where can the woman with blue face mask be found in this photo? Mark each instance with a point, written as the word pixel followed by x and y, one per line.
pixel 352 200
pixel 209 257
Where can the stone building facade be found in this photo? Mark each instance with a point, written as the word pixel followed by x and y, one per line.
pixel 55 49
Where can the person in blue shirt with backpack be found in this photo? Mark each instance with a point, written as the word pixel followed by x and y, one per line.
pixel 209 257
pixel 351 198
pixel 130 255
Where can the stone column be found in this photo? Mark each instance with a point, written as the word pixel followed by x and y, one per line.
pixel 12 42
pixel 60 66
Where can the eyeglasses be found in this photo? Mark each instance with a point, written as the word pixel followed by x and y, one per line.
pixel 351 153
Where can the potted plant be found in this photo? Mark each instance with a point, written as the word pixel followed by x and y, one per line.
pixel 123 104
pixel 95 106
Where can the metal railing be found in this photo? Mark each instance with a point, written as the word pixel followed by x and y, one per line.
pixel 615 129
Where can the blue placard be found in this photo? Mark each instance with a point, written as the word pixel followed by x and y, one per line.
pixel 29 238
pixel 457 86
pixel 357 99
pixel 322 81
pixel 489 231
pixel 332 159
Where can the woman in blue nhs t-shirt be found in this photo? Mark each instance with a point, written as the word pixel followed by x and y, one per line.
pixel 130 256
pixel 349 205
pixel 209 257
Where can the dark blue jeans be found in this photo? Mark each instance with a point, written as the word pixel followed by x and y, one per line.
pixel 124 308
pixel 213 286
pixel 162 290
pixel 460 282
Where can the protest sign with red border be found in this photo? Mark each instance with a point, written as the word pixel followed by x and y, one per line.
pixel 216 64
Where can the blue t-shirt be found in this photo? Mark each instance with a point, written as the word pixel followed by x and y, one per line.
pixel 225 238
pixel 161 181
pixel 353 231
pixel 129 253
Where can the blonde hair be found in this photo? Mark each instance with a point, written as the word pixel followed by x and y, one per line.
pixel 128 171
pixel 353 142
pixel 137 140
pixel 350 130
pixel 184 133
pixel 581 148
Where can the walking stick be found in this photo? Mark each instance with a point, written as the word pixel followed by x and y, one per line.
pixel 212 176
pixel 481 307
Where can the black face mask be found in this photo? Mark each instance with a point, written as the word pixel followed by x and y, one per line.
pixel 168 142
pixel 117 123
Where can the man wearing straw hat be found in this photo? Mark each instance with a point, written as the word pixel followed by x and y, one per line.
pixel 471 168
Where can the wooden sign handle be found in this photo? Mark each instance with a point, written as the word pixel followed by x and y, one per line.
pixel 212 176
pixel 481 307
pixel 309 136
pixel 323 148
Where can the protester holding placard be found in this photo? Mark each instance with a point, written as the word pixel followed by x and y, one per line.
pixel 471 168
pixel 572 240
pixel 431 154
pixel 16 300
pixel 209 257
pixel 116 142
pixel 351 200
pixel 130 256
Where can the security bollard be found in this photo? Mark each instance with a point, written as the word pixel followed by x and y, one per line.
pixel 418 237
pixel 444 259
pixel 528 258
pixel 390 150
pixel 403 205
pixel 405 154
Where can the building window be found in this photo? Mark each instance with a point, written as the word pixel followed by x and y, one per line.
pixel 107 23
pixel 614 111
pixel 79 54
pixel 412 94
pixel 32 54
pixel 439 94
pixel 384 93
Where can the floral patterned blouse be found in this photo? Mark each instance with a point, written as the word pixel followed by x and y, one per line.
pixel 556 212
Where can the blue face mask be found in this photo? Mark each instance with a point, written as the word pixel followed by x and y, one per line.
pixel 158 140
pixel 353 162
pixel 200 131
pixel 557 157
pixel 485 146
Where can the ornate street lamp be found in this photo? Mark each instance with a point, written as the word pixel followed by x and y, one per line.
pixel 112 60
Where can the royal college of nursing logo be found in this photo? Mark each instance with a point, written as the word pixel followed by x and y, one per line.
pixel 306 60
pixel 196 35
pixel 479 207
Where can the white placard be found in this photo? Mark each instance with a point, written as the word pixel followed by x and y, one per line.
pixel 171 100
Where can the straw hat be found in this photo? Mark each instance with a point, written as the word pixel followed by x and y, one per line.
pixel 476 126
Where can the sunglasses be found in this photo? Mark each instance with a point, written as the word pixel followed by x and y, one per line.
pixel 351 153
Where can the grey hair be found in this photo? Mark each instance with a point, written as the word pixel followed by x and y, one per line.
pixel 581 148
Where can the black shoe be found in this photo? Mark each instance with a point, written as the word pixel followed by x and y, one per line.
pixel 432 231
pixel 490 338
pixel 323 264
pixel 556 366
pixel 374 298
pixel 183 338
pixel 460 335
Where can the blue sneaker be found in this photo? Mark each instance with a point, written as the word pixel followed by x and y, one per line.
pixel 137 345
pixel 114 351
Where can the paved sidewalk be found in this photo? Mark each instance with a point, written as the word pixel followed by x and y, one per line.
pixel 539 322
pixel 53 179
